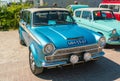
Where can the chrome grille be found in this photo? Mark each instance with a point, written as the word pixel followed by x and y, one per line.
pixel 64 54
pixel 75 49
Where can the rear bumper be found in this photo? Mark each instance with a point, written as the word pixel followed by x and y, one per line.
pixel 67 62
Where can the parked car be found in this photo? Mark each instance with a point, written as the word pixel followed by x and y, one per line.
pixel 100 20
pixel 73 7
pixel 54 39
pixel 112 4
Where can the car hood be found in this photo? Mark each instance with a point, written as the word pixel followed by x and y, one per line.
pixel 109 25
pixel 63 36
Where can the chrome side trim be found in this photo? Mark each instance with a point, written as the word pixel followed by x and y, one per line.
pixel 25 28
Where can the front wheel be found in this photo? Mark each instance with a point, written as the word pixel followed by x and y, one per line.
pixel 35 70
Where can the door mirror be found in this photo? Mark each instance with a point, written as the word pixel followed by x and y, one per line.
pixel 24 23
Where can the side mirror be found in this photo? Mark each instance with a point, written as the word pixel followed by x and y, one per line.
pixel 24 23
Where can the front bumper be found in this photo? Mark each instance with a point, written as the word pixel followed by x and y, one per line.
pixel 67 62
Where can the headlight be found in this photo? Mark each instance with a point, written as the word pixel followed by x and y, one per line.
pixel 49 48
pixel 114 31
pixel 102 42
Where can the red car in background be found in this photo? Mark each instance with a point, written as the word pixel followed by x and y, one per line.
pixel 112 4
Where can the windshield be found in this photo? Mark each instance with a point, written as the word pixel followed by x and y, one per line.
pixel 114 8
pixel 52 18
pixel 103 15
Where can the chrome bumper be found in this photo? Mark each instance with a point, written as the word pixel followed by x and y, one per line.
pixel 64 54
pixel 66 62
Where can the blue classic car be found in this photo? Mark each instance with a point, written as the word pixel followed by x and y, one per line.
pixel 54 39
pixel 100 20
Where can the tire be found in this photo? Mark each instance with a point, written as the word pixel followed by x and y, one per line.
pixel 94 60
pixel 107 46
pixel 22 42
pixel 35 70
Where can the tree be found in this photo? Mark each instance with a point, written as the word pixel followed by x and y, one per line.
pixel 21 1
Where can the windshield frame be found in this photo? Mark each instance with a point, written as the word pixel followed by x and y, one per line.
pixel 52 21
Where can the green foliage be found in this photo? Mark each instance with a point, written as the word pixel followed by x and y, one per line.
pixel 9 16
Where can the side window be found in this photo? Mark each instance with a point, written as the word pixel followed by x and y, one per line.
pixel 77 13
pixel 24 16
pixel 114 8
pixel 28 17
pixel 86 15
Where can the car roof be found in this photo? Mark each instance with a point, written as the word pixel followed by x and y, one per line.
pixel 74 7
pixel 93 9
pixel 45 9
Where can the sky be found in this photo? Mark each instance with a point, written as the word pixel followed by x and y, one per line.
pixel 12 0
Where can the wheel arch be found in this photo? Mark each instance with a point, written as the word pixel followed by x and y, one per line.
pixel 35 55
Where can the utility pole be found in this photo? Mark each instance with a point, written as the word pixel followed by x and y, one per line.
pixel 41 2
pixel 0 2
pixel 36 3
